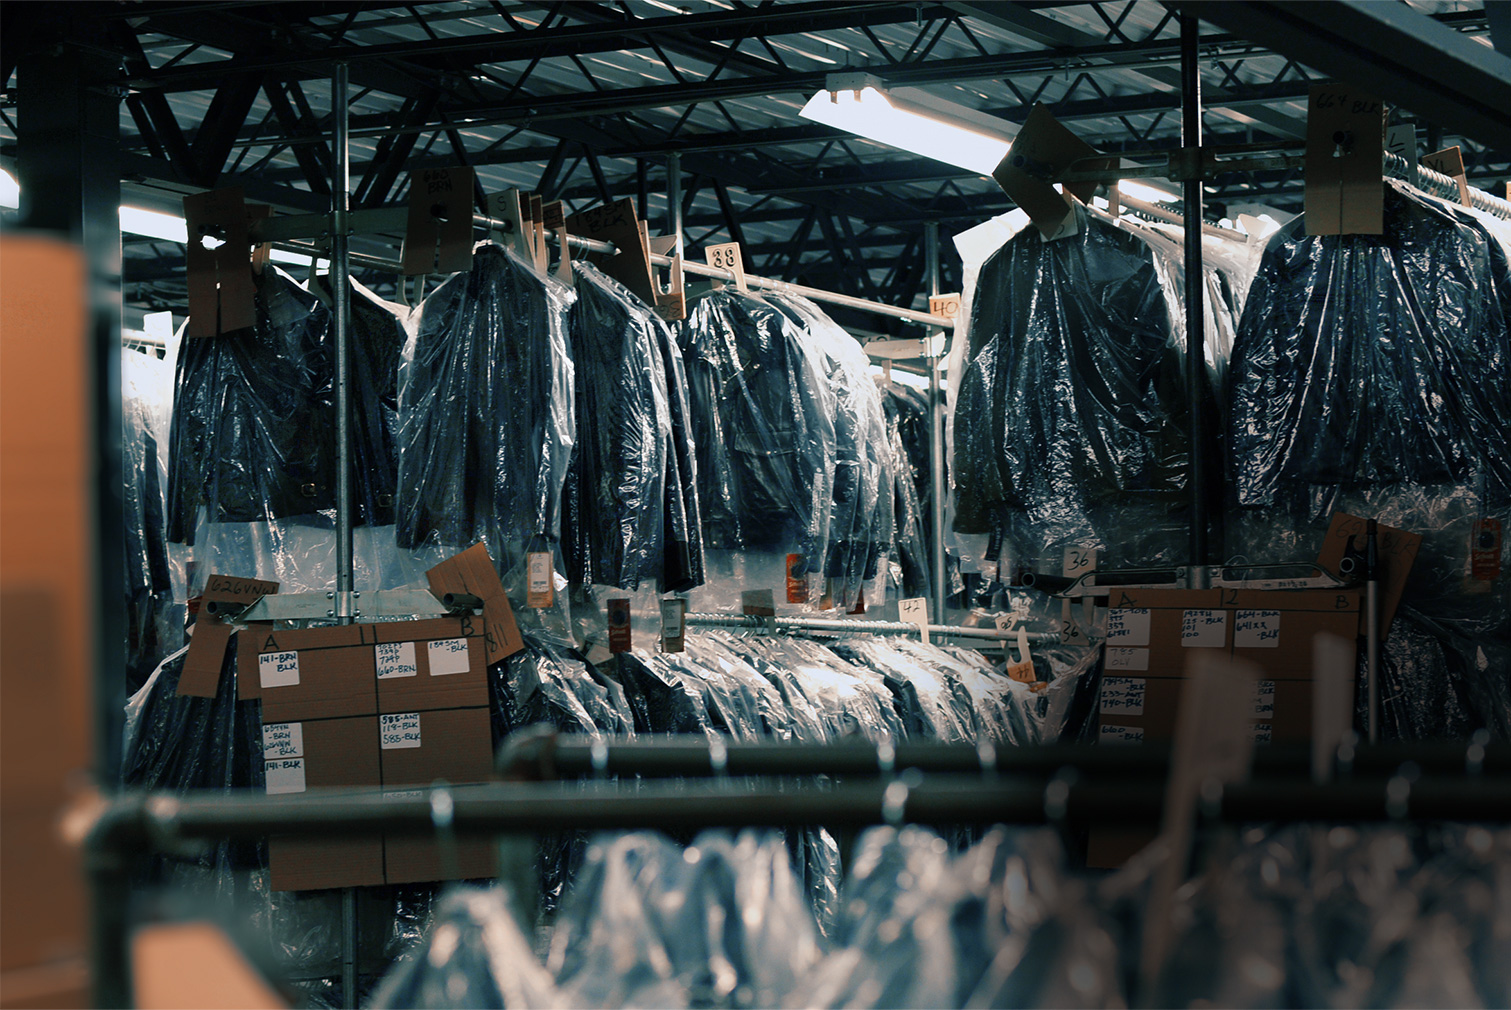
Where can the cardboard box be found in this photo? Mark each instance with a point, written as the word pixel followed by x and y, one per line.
pixel 311 754
pixel 1152 633
pixel 445 666
pixel 417 749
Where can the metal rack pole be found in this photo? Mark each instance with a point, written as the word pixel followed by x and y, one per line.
pixel 862 627
pixel 1196 342
pixel 341 296
pixel 936 437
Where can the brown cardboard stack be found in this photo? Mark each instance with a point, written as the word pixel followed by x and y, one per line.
pixel 393 707
pixel 1150 633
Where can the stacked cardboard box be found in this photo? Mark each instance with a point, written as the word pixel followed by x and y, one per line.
pixel 394 707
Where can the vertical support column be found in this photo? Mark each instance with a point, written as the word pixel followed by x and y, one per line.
pixel 936 436
pixel 68 168
pixel 674 199
pixel 345 610
pixel 341 295
pixel 1196 356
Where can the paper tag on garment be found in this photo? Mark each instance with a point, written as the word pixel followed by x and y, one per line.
pixel 278 669
pixel 541 591
pixel 673 625
pixel 448 656
pixel 945 306
pixel 396 659
pixel 1204 629
pixel 282 740
pixel 1023 673
pixel 1485 551
pixel 1264 699
pixel 619 625
pixel 399 731
pixel 797 579
pixel 285 775
pixel 915 612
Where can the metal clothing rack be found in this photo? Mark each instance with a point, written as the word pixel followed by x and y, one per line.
pixel 862 627
pixel 132 825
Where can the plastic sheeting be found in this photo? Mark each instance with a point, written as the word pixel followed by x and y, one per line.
pixel 154 623
pixel 617 484
pixel 912 489
pixel 763 422
pixel 254 423
pixel 1372 375
pixel 487 416
pixel 1072 410
pixel 861 517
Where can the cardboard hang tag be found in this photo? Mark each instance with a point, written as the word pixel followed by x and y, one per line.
pixel 630 263
pixel 472 572
pixel 207 647
pixel 1345 142
pixel 671 301
pixel 506 208
pixel 1023 670
pixel 556 222
pixel 1397 552
pixel 727 256
pixel 1042 150
pixel 1450 162
pixel 915 612
pixel 218 256
pixel 438 235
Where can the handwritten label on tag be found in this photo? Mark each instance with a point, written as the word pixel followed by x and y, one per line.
pixel 448 656
pixel 282 740
pixel 278 669
pixel 285 775
pixel 541 591
pixel 400 731
pixel 1120 734
pixel 1122 696
pixel 915 611
pixel 1261 732
pixel 726 256
pixel 1264 699
pixel 944 306
pixel 1120 658
pixel 1128 626
pixel 1204 629
pixel 1023 673
pixel 1485 550
pixel 619 625
pixel 396 659
pixel 1256 629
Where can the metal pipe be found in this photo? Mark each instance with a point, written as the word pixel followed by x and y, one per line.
pixel 674 199
pixel 863 627
pixel 1196 342
pixel 341 297
pixel 937 489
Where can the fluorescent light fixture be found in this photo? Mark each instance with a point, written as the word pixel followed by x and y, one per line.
pixel 154 224
pixel 10 191
pixel 911 120
pixel 1144 191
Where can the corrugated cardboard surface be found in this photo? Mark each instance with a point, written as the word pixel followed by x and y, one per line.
pixel 337 752
pixel 455 746
pixel 429 689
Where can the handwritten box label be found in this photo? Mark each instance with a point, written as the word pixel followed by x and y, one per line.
pixel 285 775
pixel 448 656
pixel 1127 659
pixel 282 740
pixel 1121 734
pixel 1204 629
pixel 1264 699
pixel 1128 626
pixel 1256 629
pixel 396 659
pixel 400 731
pixel 1261 732
pixel 1122 696
pixel 278 669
